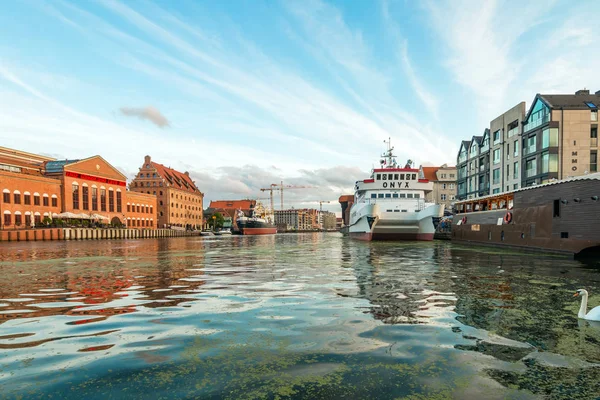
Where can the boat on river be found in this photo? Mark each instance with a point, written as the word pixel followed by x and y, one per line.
pixel 260 222
pixel 392 205
pixel 559 216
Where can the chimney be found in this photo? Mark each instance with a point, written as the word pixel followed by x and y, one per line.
pixel 582 92
pixel 147 160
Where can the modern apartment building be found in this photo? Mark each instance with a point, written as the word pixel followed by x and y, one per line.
pixel 298 219
pixel 444 184
pixel 504 150
pixel 473 167
pixel 560 137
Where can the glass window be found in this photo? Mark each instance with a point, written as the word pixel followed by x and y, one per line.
pixel 516 170
pixel 36 199
pixel 396 177
pixel 593 161
pixel 373 196
pixel 401 177
pixel 94 199
pixel 118 201
pixel 18 220
pixel 417 196
pixel 402 195
pixel 409 195
pixel 531 167
pixel 496 156
pixel 395 195
pixel 388 195
pixel 380 195
pixel 75 190
pixel 443 197
pixel 85 198
pixel 516 148
pixel 7 220
pixel 378 178
pixel 17 198
pixel 27 199
pixel 594 132
pixel 497 137
pixel 54 202
pixel 384 176
pixel 102 199
pixel 496 176
pixel 111 200
pixel 46 201
pixel 414 177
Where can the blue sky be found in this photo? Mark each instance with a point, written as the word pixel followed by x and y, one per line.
pixel 246 93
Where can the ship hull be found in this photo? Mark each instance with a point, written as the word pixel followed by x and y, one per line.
pixel 369 223
pixel 249 227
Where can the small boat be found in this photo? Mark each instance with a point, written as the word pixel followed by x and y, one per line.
pixel 206 233
pixel 224 232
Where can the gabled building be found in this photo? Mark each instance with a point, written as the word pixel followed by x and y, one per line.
pixel 462 163
pixel 560 137
pixel 179 201
pixel 444 185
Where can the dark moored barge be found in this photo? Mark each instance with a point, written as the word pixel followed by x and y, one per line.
pixel 559 217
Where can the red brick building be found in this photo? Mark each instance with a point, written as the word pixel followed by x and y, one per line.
pixel 36 187
pixel 228 208
pixel 179 201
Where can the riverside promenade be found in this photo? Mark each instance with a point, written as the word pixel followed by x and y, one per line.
pixel 24 235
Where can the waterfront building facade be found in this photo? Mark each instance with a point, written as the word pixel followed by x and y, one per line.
pixel 560 137
pixel 328 220
pixel 505 150
pixel 472 167
pixel 444 185
pixel 37 189
pixel 179 201
pixel 298 219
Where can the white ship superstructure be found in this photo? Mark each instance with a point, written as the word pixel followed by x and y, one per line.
pixel 391 204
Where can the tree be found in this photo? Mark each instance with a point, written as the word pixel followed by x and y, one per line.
pixel 217 220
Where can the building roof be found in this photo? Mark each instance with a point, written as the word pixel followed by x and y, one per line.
pixel 429 173
pixel 237 204
pixel 595 176
pixel 176 179
pixel 54 167
pixel 572 101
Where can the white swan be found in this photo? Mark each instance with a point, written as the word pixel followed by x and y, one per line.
pixel 594 314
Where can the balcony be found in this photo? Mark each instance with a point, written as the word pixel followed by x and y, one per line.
pixel 513 132
pixel 535 123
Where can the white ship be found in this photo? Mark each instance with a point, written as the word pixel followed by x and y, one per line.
pixel 391 204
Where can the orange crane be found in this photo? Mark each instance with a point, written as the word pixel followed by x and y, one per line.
pixel 321 204
pixel 280 187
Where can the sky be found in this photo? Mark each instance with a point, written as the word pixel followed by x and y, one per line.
pixel 243 94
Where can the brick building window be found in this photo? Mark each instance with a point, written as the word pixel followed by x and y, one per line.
pixel 85 198
pixel 7 220
pixel 111 200
pixel 128 208
pixel 151 223
pixel 46 200
pixel 6 197
pixel 102 199
pixel 27 199
pixel 54 202
pixel 151 209
pixel 146 209
pixel 27 219
pixel 94 198
pixel 17 198
pixel 37 219
pixel 18 220
pixel 137 208
pixel 75 190
pixel 36 199
pixel 118 201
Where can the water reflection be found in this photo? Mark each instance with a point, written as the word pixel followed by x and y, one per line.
pixel 312 315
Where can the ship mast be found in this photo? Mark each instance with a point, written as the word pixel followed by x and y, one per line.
pixel 388 158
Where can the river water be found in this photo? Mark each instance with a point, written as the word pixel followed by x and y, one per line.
pixel 293 316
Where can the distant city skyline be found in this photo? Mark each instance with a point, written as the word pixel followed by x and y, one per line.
pixel 244 94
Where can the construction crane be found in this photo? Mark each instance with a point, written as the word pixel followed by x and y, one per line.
pixel 280 187
pixel 321 204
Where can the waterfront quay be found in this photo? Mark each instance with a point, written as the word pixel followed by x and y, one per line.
pixel 249 317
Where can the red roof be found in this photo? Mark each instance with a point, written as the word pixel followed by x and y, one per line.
pixel 175 178
pixel 429 173
pixel 237 204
